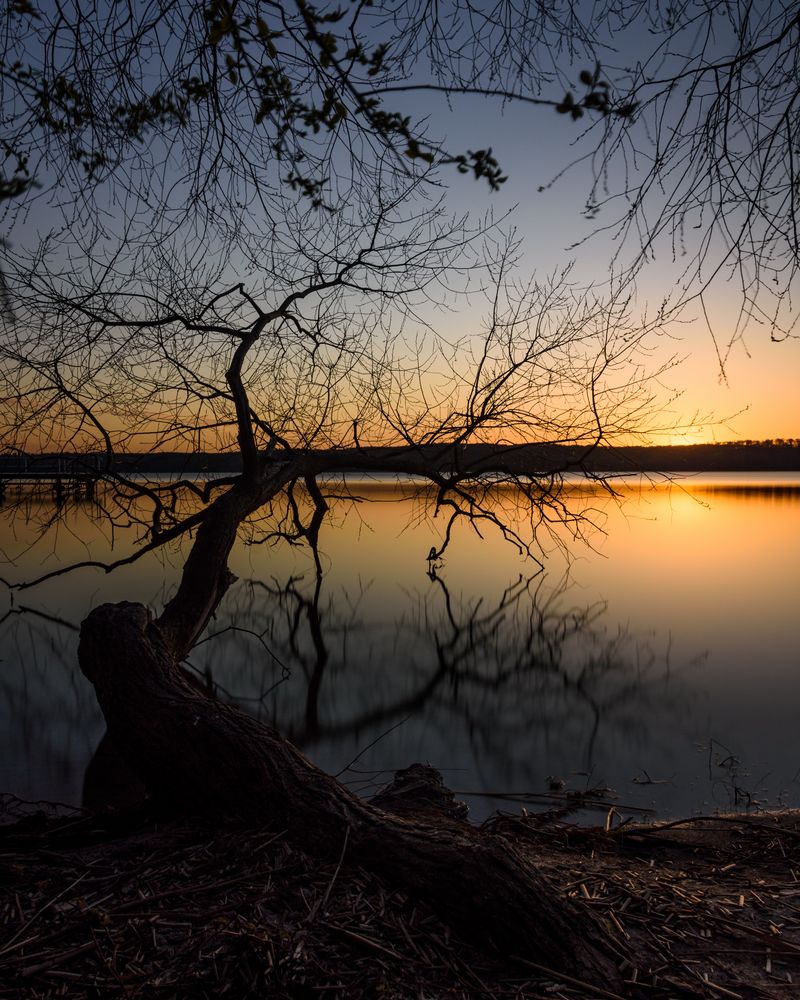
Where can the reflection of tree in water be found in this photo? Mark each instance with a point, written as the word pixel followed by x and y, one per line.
pixel 497 685
pixel 49 717
pixel 504 688
pixel 502 685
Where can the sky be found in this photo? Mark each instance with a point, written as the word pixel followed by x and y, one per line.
pixel 753 394
pixel 726 386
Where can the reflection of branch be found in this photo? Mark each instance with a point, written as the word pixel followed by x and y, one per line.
pixel 108 567
pixel 215 686
pixel 50 715
pixel 508 669
pixel 22 609
pixel 299 608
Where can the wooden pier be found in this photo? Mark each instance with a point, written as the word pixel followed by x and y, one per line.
pixel 76 483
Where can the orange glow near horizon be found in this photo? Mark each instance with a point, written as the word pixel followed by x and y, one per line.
pixel 757 399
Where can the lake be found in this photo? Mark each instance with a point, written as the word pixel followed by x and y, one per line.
pixel 653 664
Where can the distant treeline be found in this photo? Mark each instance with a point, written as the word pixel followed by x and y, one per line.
pixel 745 456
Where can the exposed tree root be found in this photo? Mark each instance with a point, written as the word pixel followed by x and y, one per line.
pixel 201 755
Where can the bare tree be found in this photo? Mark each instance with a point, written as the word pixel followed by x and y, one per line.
pixel 238 247
pixel 691 117
pixel 291 380
pixel 706 169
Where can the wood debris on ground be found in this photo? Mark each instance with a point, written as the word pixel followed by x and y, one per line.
pixel 95 906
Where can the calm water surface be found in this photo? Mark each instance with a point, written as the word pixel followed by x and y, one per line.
pixel 659 661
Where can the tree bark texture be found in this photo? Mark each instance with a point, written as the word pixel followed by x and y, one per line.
pixel 200 754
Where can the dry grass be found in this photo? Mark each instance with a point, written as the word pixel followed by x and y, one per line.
pixel 98 906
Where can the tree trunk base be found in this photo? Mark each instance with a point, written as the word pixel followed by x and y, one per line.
pixel 203 756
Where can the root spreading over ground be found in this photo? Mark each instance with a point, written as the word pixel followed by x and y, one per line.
pixel 95 906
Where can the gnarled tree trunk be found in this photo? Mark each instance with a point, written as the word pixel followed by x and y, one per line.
pixel 203 755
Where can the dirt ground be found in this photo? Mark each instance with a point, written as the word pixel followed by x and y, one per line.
pixel 96 906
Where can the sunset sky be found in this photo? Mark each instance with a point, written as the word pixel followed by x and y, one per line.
pixel 727 379
pixel 758 396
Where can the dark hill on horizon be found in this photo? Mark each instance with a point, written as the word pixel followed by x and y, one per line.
pixel 529 459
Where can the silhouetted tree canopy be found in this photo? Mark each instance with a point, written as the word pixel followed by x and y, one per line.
pixel 690 111
pixel 225 232
pixel 230 238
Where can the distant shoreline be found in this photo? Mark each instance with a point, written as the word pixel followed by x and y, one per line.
pixel 530 459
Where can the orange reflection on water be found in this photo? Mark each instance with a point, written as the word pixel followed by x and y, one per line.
pixel 706 566
pixel 715 555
